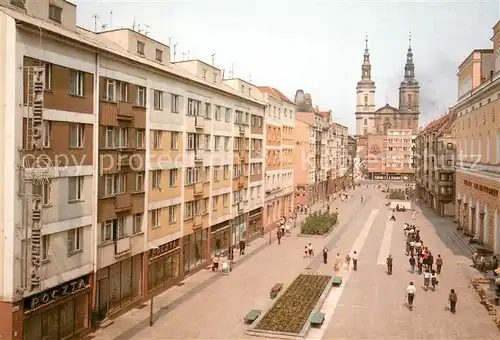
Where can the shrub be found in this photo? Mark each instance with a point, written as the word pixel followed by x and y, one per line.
pixel 319 223
pixel 397 195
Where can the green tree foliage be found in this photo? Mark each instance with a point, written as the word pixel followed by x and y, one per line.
pixel 319 223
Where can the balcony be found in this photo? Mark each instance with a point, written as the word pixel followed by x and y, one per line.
pixel 123 202
pixel 124 111
pixel 241 207
pixel 198 156
pixel 122 246
pixel 199 122
pixel 241 128
pixel 198 189
pixel 241 181
pixel 197 221
pixel 243 155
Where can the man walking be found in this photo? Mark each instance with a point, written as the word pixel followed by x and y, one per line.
pixel 325 255
pixel 278 235
pixel 389 265
pixel 412 264
pixel 410 294
pixel 453 301
pixel 439 264
pixel 242 247
pixel 355 261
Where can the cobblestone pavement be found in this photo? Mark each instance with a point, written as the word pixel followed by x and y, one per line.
pixel 370 305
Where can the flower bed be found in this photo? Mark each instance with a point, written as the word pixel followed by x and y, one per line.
pixel 319 223
pixel 291 311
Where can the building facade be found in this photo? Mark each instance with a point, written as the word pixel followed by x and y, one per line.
pixel 477 131
pixel 279 171
pixel 130 171
pixel 434 158
pixel 304 158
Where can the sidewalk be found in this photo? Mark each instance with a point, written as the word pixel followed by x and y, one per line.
pixel 191 285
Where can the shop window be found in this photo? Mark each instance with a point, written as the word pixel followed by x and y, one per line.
pixel 164 270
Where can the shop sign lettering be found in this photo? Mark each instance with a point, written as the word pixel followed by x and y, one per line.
pixel 482 188
pixel 163 249
pixel 55 294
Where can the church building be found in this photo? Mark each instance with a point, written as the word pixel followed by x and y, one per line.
pixel 370 120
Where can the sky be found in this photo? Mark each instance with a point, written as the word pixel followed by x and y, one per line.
pixel 317 46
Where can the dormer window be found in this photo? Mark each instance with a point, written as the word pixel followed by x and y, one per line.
pixel 55 13
pixel 140 47
pixel 159 55
pixel 249 92
pixel 204 73
pixel 215 77
pixel 242 88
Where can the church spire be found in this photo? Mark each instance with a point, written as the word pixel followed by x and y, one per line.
pixel 366 67
pixel 409 67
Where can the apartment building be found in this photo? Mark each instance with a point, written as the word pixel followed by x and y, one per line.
pixel 279 171
pixel 390 155
pixel 304 158
pixel 129 172
pixel 434 159
pixel 321 125
pixel 351 159
pixel 477 131
pixel 339 165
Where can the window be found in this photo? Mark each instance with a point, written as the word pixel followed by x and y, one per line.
pixel 140 47
pixel 137 227
pixel 488 148
pixel 227 116
pixel 204 73
pixel 141 96
pixel 173 178
pixel 76 132
pixel 156 179
pixel 172 214
pixel 188 210
pixel 226 143
pixel 45 247
pixel 174 140
pixel 174 103
pixel 122 94
pixel 155 219
pixel 159 55
pixel 47 84
pixel 207 142
pixel 76 83
pixel 216 173
pixel 225 172
pixel 75 188
pixel 193 107
pixel 225 200
pixel 192 175
pixel 157 139
pixel 46 193
pixel 497 147
pixel 114 184
pixel 55 13
pixel 365 121
pixel 158 100
pixel 206 174
pixel 218 115
pixel 46 133
pixel 107 231
pixel 139 181
pixel 110 90
pixel 215 203
pixel 75 240
pixel 139 139
pixel 208 110
pixel 366 99
pixel 215 77
pixel 121 137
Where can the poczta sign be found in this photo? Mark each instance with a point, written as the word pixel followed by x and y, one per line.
pixel 55 294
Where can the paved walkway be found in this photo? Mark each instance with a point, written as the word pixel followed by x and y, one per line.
pixel 204 288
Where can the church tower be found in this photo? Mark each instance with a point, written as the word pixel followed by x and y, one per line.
pixel 409 95
pixel 365 97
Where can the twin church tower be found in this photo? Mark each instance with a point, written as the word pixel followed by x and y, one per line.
pixel 370 120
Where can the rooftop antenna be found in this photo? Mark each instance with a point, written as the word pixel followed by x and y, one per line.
pixel 213 59
pixel 146 31
pixel 175 50
pixel 103 27
pixel 95 16
pixel 250 78
pixel 169 49
pixel 139 28
pixel 133 25
pixel 110 19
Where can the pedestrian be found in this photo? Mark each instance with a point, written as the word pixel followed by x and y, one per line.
pixel 242 247
pixel 410 294
pixel 434 280
pixel 325 255
pixel 412 264
pixel 389 264
pixel 355 261
pixel 278 235
pixel 420 262
pixel 347 261
pixel 305 251
pixel 430 262
pixel 453 301
pixel 310 250
pixel 393 218
pixel 439 264
pixel 338 263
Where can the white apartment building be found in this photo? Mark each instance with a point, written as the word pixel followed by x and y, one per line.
pixel 149 168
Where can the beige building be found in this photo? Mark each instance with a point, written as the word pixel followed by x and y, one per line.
pixel 279 169
pixel 477 131
pixel 146 169
pixel 304 158
pixel 435 155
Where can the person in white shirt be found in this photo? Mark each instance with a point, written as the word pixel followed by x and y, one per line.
pixel 410 294
pixel 427 279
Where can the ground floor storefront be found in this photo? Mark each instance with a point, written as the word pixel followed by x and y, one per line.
pixel 195 249
pixel 220 238
pixel 164 264
pixel 62 312
pixel 477 206
pixel 254 224
pixel 391 176
pixel 119 286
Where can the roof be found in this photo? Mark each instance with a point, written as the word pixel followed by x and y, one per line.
pixel 275 93
pixel 441 125
pixel 387 107
pixel 88 39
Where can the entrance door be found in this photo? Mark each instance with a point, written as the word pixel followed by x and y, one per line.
pixel 103 298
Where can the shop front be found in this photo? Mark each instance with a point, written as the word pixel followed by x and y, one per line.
pixel 239 228
pixel 220 238
pixel 195 249
pixel 254 224
pixel 164 266
pixel 119 285
pixel 61 312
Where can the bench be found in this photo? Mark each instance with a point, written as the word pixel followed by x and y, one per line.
pixel 337 281
pixel 252 315
pixel 317 319
pixel 275 290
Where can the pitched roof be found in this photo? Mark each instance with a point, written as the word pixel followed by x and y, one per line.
pixel 441 125
pixel 275 93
